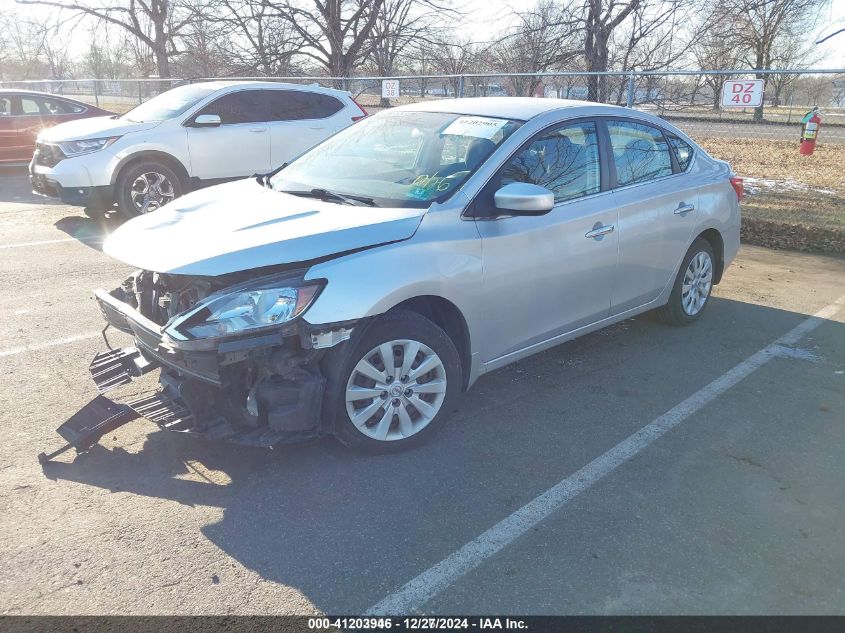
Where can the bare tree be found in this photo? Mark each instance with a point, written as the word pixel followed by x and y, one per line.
pixel 22 44
pixel 716 48
pixel 335 33
pixel 765 28
pixel 156 23
pixel 104 59
pixel 253 37
pixel 601 19
pixel 205 39
pixel 649 40
pixel 399 25
pixel 453 56
pixel 55 46
pixel 544 37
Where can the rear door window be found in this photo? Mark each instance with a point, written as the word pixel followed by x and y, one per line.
pixel 683 151
pixel 29 106
pixel 58 106
pixel 565 160
pixel 640 152
pixel 298 105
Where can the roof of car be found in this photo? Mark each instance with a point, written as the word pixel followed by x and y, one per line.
pixel 220 84
pixel 17 91
pixel 522 108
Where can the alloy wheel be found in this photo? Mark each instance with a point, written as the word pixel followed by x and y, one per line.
pixel 150 191
pixel 396 390
pixel 698 280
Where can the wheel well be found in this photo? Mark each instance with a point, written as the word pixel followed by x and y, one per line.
pixel 717 244
pixel 174 163
pixel 448 317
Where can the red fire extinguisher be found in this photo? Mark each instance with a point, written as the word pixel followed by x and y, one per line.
pixel 810 131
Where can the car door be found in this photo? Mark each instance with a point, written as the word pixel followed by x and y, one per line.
pixel 656 207
pixel 550 274
pixel 299 119
pixel 9 141
pixel 239 146
pixel 21 128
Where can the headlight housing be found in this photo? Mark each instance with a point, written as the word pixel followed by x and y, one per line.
pixel 245 309
pixel 86 146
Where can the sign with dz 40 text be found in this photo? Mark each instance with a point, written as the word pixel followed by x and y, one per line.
pixel 745 93
pixel 390 88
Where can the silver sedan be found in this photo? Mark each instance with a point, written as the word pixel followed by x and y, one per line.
pixel 359 289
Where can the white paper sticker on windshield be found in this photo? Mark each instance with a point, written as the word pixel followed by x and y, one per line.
pixel 476 126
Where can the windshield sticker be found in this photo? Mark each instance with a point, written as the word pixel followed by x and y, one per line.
pixel 424 186
pixel 475 126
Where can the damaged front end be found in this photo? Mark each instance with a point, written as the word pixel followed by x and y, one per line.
pixel 237 361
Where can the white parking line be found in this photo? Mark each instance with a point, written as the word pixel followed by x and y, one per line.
pixel 413 595
pixel 62 341
pixel 66 239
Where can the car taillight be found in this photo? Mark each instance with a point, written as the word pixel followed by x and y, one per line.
pixel 363 111
pixel 736 183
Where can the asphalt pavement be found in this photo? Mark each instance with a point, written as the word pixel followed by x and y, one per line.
pixel 726 495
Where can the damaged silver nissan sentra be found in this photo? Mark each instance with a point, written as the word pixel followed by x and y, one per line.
pixel 360 288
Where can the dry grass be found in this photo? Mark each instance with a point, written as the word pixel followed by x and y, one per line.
pixel 784 186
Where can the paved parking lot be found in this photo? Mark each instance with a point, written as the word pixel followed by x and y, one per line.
pixel 642 469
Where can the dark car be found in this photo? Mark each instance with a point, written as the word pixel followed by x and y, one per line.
pixel 24 113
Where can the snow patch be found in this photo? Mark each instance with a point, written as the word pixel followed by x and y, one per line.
pixel 772 185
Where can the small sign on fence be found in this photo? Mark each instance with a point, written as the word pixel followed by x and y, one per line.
pixel 745 93
pixel 389 88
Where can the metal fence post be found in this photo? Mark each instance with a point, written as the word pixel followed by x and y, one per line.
pixel 460 86
pixel 629 101
pixel 96 95
pixel 140 99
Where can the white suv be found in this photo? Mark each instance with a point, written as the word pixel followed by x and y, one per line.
pixel 189 136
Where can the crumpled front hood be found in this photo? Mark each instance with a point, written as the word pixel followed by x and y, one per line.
pixel 94 127
pixel 243 225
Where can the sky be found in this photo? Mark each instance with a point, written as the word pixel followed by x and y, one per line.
pixel 486 20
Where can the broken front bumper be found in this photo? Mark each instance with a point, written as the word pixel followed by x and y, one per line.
pixel 203 390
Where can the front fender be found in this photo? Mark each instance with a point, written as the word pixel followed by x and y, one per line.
pixel 442 259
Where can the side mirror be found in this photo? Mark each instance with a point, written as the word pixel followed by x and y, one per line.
pixel 206 120
pixel 522 198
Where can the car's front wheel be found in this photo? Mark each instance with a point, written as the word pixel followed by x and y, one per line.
pixel 396 384
pixel 146 186
pixel 691 291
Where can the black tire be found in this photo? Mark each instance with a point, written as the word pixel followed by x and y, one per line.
pixel 340 363
pixel 673 312
pixel 130 174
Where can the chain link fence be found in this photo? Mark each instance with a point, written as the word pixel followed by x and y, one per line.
pixel 690 99
pixel 760 143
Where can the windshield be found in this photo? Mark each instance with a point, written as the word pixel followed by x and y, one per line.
pixel 169 104
pixel 398 159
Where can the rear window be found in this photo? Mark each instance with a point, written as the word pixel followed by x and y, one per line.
pixel 683 151
pixel 640 153
pixel 297 105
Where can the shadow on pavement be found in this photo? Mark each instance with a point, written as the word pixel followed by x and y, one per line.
pixel 91 231
pixel 15 188
pixel 347 529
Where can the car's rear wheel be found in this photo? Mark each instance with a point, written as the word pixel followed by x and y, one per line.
pixel 145 187
pixel 396 384
pixel 691 291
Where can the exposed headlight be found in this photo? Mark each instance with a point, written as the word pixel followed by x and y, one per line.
pixel 243 310
pixel 86 146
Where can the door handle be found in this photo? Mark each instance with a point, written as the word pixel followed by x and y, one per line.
pixel 258 130
pixel 599 230
pixel 684 208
